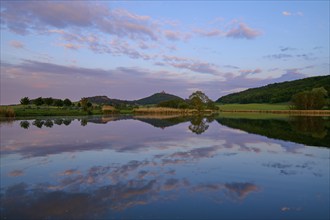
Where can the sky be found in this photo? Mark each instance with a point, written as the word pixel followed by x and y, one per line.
pixel 132 49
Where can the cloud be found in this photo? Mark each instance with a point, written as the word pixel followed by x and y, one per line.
pixel 238 30
pixel 24 17
pixel 283 49
pixel 71 46
pixel 30 66
pixel 291 74
pixel 286 13
pixel 248 71
pixel 279 56
pixel 190 64
pixel 231 66
pixel 97 44
pixel 243 31
pixel 208 33
pixel 16 44
pixel 175 35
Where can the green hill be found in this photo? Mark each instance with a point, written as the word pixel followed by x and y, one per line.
pixel 276 92
pixel 150 100
pixel 106 100
pixel 157 98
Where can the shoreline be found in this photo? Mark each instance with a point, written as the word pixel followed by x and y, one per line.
pixel 289 112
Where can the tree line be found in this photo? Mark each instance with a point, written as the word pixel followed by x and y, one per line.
pixel 314 99
pixel 46 101
pixel 197 100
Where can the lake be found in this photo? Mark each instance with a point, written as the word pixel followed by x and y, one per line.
pixel 145 167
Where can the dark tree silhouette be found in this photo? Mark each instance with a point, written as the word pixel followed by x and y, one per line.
pixel 25 124
pixel 25 101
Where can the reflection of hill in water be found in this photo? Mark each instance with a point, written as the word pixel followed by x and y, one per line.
pixel 163 123
pixel 312 131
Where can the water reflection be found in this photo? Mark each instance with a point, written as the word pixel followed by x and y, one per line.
pixel 159 168
pixel 198 124
pixel 313 131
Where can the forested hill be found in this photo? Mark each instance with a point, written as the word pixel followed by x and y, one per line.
pixel 157 98
pixel 277 92
pixel 150 100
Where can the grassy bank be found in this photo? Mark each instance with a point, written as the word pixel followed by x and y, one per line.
pixel 26 111
pixel 253 106
pixel 168 111
pixel 269 109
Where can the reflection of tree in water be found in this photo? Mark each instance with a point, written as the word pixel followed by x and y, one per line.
pixel 58 121
pixel 312 131
pixel 38 123
pixel 67 121
pixel 199 124
pixel 311 126
pixel 83 122
pixel 48 123
pixel 24 124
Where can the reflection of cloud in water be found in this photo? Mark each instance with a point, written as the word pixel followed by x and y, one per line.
pixel 292 169
pixel 16 173
pixel 61 204
pixel 240 190
pixel 236 191
pixel 70 172
pixel 203 152
pixel 104 189
pixel 171 184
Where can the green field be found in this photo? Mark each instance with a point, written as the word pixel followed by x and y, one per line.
pixel 253 106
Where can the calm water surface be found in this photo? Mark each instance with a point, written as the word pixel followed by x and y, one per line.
pixel 172 168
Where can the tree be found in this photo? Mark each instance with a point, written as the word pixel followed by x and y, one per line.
pixel 67 102
pixel 38 101
pixel 198 100
pixel 85 104
pixel 310 100
pixel 58 102
pixel 319 97
pixel 25 101
pixel 49 101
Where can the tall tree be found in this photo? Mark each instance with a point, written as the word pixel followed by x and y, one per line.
pixel 58 102
pixel 67 102
pixel 39 101
pixel 198 100
pixel 49 101
pixel 25 101
pixel 310 100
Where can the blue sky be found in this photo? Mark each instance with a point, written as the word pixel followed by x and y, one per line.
pixel 129 50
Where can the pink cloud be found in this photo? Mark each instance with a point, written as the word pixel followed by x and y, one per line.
pixel 286 13
pixel 16 44
pixel 243 31
pixel 211 33
pixel 23 17
pixel 190 64
pixel 175 35
pixel 248 71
